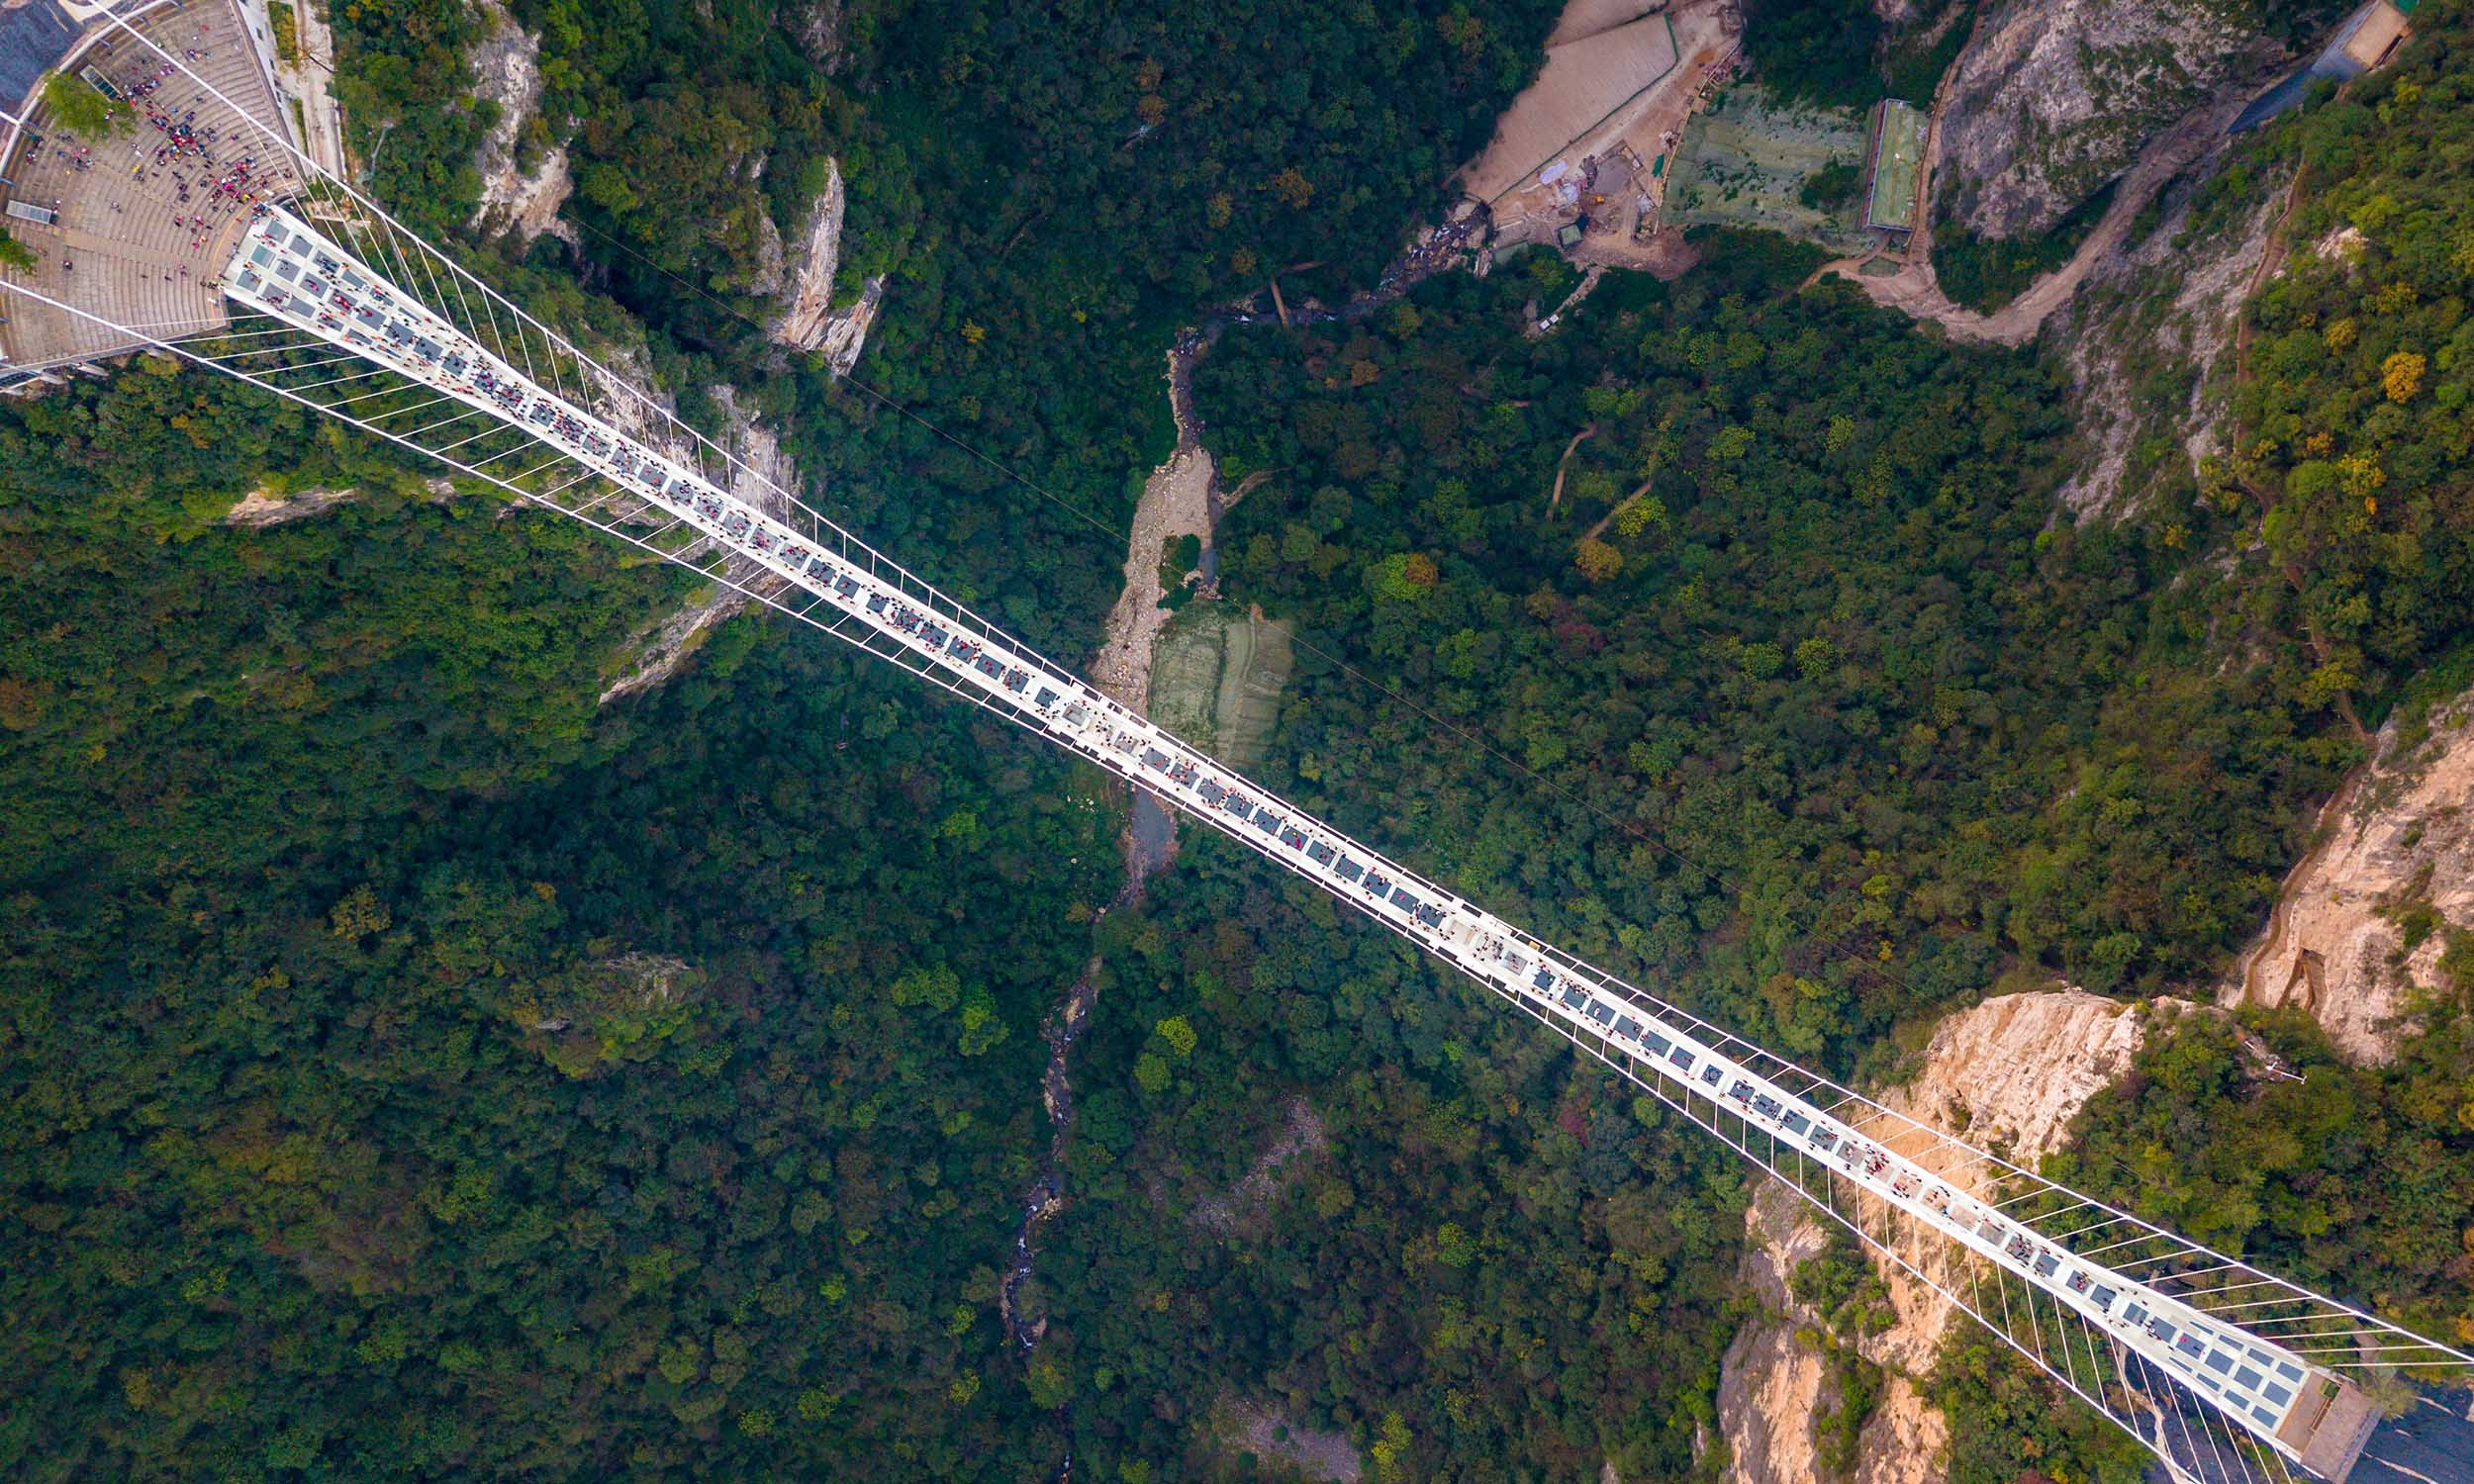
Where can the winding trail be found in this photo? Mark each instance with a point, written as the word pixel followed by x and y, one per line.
pixel 1563 464
pixel 1621 506
pixel 1915 291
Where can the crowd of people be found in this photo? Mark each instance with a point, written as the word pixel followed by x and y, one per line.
pixel 207 186
pixel 182 139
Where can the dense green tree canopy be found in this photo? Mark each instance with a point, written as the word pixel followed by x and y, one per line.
pixel 420 1068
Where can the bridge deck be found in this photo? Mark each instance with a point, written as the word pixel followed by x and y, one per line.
pixel 2180 1346
pixel 286 269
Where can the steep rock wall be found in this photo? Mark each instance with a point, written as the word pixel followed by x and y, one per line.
pixel 2163 310
pixel 1774 1389
pixel 507 71
pixel 818 24
pixel 2365 917
pixel 2011 1073
pixel 2053 98
pixel 808 320
pixel 760 474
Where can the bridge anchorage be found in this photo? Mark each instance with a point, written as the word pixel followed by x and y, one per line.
pixel 2225 1371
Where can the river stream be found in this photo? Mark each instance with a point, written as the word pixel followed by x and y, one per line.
pixel 1150 838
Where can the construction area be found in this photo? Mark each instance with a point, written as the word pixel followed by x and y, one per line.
pixel 1582 155
pixel 1747 160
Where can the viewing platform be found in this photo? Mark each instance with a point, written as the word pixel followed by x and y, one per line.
pixel 135 233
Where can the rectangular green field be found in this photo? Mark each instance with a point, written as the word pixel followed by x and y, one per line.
pixel 1897 154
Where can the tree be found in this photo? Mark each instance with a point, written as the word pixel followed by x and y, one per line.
pixel 2401 376
pixel 15 254
pixel 77 106
pixel 1402 576
pixel 1597 561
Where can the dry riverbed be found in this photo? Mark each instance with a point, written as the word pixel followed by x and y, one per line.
pixel 1175 502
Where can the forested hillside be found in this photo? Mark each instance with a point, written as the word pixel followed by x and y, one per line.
pixel 2352 465
pixel 1828 684
pixel 2356 437
pixel 412 1075
pixel 418 1071
pixel 1052 192
pixel 1487 1261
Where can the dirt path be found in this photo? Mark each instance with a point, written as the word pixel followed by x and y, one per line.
pixel 1563 464
pixel 1621 506
pixel 2271 257
pixel 1915 291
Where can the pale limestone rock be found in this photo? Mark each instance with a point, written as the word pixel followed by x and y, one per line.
pixel 1264 1430
pixel 765 280
pixel 2053 98
pixel 2010 1072
pixel 761 473
pixel 820 29
pixel 507 70
pixel 809 320
pixel 2344 244
pixel 263 508
pixel 1906 1440
pixel 2164 295
pixel 1772 1388
pixel 2400 834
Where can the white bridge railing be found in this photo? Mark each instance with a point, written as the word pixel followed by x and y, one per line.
pixel 2224 1371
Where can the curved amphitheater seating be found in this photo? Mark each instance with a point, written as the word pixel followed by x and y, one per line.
pixel 115 240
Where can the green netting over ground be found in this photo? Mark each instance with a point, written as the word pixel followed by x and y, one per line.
pixel 1743 162
pixel 1894 171
pixel 1216 676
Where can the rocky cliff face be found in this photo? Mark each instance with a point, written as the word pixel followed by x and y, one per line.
pixel 263 508
pixel 507 71
pixel 2161 310
pixel 760 474
pixel 1775 1387
pixel 809 320
pixel 2012 1072
pixel 2366 917
pixel 818 24
pixel 2053 98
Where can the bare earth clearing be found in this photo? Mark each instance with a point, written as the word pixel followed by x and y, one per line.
pixel 1612 98
pixel 1258 1428
pixel 1580 84
pixel 1583 18
pixel 1175 502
